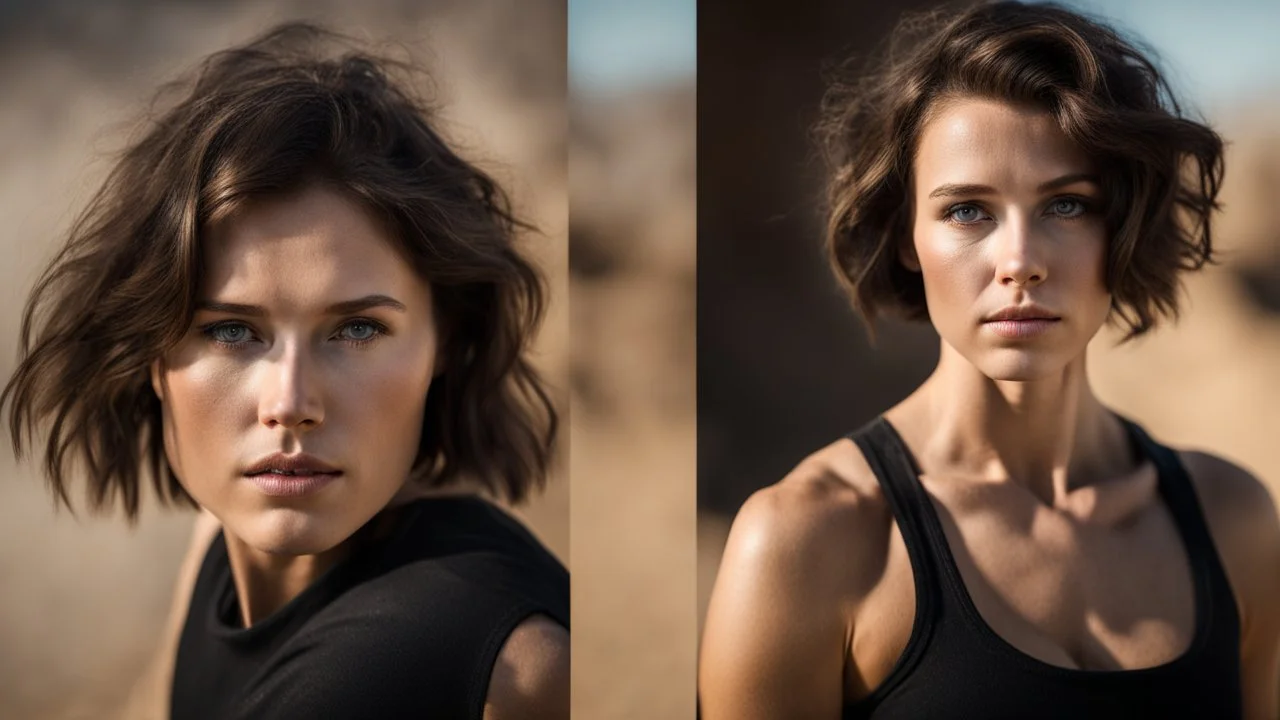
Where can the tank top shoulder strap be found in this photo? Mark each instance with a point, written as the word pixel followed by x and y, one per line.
pixel 896 471
pixel 1180 497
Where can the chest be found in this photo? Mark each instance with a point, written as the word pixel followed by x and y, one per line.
pixel 1068 594
pixel 1071 594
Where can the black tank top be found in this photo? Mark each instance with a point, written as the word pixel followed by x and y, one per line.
pixel 955 666
pixel 407 626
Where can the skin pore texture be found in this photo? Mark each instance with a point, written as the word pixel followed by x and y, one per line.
pixel 1055 524
pixel 291 373
pixel 291 377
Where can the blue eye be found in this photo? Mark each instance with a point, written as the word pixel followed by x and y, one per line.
pixel 227 333
pixel 965 214
pixel 360 335
pixel 1067 207
pixel 234 335
pixel 363 332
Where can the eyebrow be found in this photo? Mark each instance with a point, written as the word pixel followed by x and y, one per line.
pixel 342 308
pixel 955 189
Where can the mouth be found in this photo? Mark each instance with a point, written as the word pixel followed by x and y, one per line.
pixel 1028 311
pixel 288 483
pixel 1022 327
pixel 290 473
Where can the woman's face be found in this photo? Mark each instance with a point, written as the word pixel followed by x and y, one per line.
pixel 1008 214
pixel 312 336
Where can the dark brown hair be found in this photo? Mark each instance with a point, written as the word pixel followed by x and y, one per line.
pixel 1160 172
pixel 297 106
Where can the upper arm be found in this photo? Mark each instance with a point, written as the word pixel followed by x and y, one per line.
pixel 778 625
pixel 1246 532
pixel 530 679
pixel 150 695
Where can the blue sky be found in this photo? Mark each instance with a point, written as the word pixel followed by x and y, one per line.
pixel 1217 52
pixel 621 44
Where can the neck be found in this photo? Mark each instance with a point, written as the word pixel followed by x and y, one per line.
pixel 266 582
pixel 1050 434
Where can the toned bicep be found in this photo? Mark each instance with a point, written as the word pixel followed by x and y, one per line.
pixel 530 679
pixel 774 639
pixel 150 695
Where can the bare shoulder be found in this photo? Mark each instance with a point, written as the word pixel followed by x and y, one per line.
pixel 816 523
pixel 530 679
pixel 801 556
pixel 1243 522
pixel 1236 503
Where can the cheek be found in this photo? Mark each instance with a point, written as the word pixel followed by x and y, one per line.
pixel 383 403
pixel 204 407
pixel 1086 263
pixel 953 273
pixel 393 390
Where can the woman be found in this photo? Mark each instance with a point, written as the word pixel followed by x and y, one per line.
pixel 1000 544
pixel 293 306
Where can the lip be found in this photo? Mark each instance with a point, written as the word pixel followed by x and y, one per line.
pixel 297 463
pixel 278 485
pixel 1019 329
pixel 271 474
pixel 1030 311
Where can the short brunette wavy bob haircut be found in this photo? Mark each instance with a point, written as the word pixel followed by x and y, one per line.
pixel 298 106
pixel 1160 172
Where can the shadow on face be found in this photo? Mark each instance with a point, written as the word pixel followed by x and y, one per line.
pixel 1008 213
pixel 312 335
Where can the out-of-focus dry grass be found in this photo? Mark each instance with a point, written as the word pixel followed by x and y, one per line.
pixel 82 601
pixel 632 257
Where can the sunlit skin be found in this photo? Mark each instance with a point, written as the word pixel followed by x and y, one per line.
pixel 1007 213
pixel 287 373
pixel 1052 520
pixel 313 335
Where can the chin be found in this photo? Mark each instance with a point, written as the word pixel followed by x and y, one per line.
pixel 290 531
pixel 1020 365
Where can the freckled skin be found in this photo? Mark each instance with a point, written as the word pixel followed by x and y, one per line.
pixel 1050 518
pixel 296 382
pixel 1014 246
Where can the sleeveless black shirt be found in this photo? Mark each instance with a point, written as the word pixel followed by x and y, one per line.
pixel 955 666
pixel 407 626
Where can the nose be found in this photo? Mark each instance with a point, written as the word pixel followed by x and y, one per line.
pixel 289 395
pixel 1019 257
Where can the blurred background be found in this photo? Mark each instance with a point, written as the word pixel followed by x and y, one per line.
pixel 631 261
pixel 82 599
pixel 784 366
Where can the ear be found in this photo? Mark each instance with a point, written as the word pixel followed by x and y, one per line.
pixel 157 379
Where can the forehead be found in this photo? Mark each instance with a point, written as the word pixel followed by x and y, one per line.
pixel 306 247
pixel 990 141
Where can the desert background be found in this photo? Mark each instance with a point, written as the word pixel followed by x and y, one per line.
pixel 784 365
pixel 632 299
pixel 83 598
